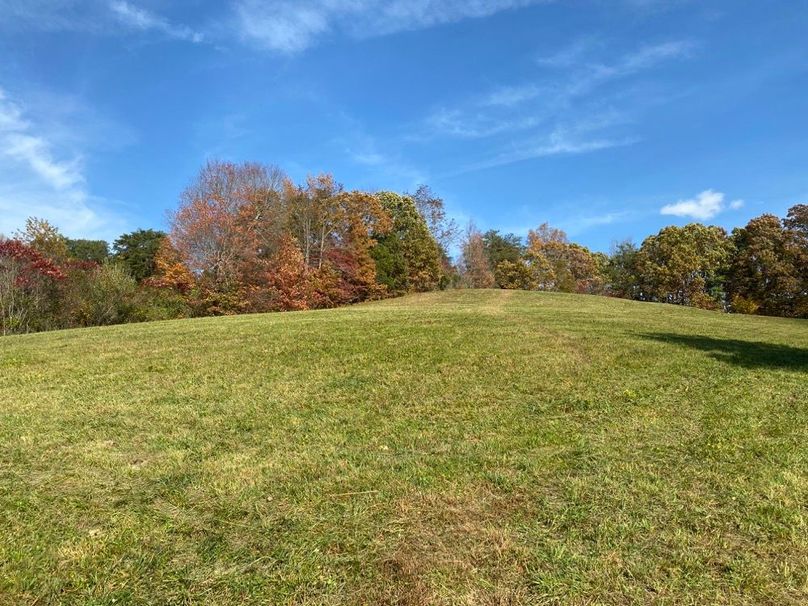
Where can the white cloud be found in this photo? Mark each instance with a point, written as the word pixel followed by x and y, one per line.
pixel 33 151
pixel 39 178
pixel 141 19
pixel 704 206
pixel 36 153
pixel 290 26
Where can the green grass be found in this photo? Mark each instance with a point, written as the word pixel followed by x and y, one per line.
pixel 467 447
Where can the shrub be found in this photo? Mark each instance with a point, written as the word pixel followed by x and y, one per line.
pixel 152 304
pixel 742 305
pixel 99 295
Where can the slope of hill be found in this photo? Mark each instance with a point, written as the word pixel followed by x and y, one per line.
pixel 467 447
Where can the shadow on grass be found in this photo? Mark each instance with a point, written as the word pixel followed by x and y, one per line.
pixel 750 354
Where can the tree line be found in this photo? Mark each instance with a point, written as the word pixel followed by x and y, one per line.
pixel 761 268
pixel 245 239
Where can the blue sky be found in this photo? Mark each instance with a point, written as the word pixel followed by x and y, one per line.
pixel 608 118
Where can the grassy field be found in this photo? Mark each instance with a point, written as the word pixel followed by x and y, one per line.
pixel 468 447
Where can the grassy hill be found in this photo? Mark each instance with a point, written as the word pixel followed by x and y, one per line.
pixel 468 447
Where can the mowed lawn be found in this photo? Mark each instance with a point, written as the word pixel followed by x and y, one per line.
pixel 466 447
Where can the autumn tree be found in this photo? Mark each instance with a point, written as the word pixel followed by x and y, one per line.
pixel 685 265
pixel 769 268
pixel 475 267
pixel 504 248
pixel 98 295
pixel 432 209
pixel 290 284
pixel 28 288
pixel 314 216
pixel 227 219
pixel 169 271
pixel 516 275
pixel 357 216
pixel 560 265
pixel 797 220
pixel 44 237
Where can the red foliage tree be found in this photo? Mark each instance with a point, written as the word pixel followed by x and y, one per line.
pixel 27 287
pixel 288 280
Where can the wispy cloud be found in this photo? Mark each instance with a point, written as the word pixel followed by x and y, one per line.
pixel 49 15
pixel 465 124
pixel 20 145
pixel 510 96
pixel 292 26
pixel 704 206
pixel 558 143
pixel 562 111
pixel 569 56
pixel 140 19
pixel 98 17
pixel 35 152
pixel 523 105
pixel 381 165
pixel 587 219
pixel 37 178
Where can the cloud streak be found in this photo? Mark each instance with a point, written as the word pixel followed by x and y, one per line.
pixel 140 19
pixel 525 105
pixel 558 143
pixel 291 26
pixel 96 17
pixel 560 112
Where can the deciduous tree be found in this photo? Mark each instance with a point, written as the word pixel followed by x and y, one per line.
pixel 28 288
pixel 769 268
pixel 226 219
pixel 476 270
pixel 560 265
pixel 516 275
pixel 408 258
pixel 432 209
pixel 621 271
pixel 685 265
pixel 44 237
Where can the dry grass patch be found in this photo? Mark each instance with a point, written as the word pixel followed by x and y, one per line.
pixel 454 548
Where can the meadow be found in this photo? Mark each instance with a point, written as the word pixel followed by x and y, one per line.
pixel 459 447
